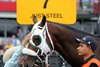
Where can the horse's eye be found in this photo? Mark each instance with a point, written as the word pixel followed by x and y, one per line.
pixel 36 39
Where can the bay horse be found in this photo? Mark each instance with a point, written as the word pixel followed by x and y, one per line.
pixel 48 36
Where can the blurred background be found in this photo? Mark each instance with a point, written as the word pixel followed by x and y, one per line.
pixel 11 33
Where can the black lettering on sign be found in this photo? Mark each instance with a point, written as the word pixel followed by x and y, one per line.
pixel 49 15
pixel 45 4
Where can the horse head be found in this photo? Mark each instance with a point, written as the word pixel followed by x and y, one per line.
pixel 38 38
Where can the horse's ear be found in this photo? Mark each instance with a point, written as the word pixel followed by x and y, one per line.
pixel 43 21
pixel 34 19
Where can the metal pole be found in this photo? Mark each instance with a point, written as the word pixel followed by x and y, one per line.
pixel 98 20
pixel 81 4
pixel 5 31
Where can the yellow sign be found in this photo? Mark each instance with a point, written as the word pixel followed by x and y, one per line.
pixel 61 11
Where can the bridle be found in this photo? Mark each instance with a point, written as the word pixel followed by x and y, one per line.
pixel 42 31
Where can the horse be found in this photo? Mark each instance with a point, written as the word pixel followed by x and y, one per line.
pixel 49 36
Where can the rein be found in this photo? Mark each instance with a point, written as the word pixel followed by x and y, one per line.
pixel 49 37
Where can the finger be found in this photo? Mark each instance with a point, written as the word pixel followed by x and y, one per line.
pixel 29 35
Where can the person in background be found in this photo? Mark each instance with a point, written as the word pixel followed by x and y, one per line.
pixel 86 49
pixel 20 34
pixel 13 40
pixel 8 45
pixel 2 45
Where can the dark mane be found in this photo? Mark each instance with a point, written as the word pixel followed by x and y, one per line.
pixel 73 29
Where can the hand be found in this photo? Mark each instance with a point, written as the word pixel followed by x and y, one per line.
pixel 26 39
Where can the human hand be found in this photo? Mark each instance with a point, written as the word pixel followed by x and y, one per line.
pixel 26 39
